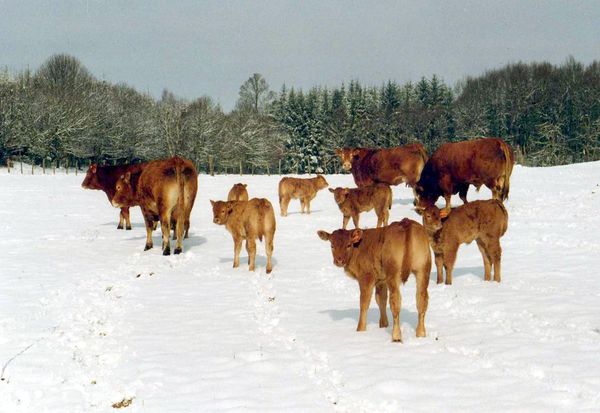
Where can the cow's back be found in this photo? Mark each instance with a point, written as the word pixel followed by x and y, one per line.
pixel 406 247
pixel 467 222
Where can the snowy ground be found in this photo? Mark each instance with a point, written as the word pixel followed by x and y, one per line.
pixel 88 319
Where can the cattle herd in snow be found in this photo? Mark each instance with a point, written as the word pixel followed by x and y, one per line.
pixel 379 258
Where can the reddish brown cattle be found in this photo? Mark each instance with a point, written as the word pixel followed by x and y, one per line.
pixel 238 193
pixel 247 220
pixel 387 166
pixel 481 221
pixel 382 258
pixel 304 189
pixel 455 166
pixel 165 190
pixel 353 201
pixel 105 179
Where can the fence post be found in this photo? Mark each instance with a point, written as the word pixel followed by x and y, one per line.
pixel 21 161
pixel 76 167
pixel 44 166
pixel 32 166
pixel 8 163
pixel 268 170
pixel 240 168
pixel 67 166
pixel 54 168
pixel 309 166
pixel 211 165
pixel 280 167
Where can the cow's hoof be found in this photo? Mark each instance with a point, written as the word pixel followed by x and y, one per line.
pixel 119 226
pixel 167 251
pixel 128 228
pixel 147 247
pixel 269 270
pixel 383 324
pixel 396 340
pixel 177 251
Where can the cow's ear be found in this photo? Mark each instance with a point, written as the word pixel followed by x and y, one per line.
pixel 331 190
pixel 229 208
pixel 339 152
pixel 345 191
pixel 324 235
pixel 419 210
pixel 93 168
pixel 245 185
pixel 355 152
pixel 356 235
pixel 212 202
pixel 127 177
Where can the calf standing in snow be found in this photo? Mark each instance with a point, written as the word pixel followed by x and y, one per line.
pixel 382 258
pixel 298 188
pixel 482 221
pixel 247 220
pixel 353 201
pixel 238 193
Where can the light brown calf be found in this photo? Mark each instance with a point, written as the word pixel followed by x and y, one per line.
pixel 382 258
pixel 353 201
pixel 482 221
pixel 247 220
pixel 238 193
pixel 298 188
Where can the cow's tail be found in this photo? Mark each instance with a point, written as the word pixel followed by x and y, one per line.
pixel 509 161
pixel 505 212
pixel 389 192
pixel 263 208
pixel 424 159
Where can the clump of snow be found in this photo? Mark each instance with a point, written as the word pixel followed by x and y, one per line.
pixel 88 320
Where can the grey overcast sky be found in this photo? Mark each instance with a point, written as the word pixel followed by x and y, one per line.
pixel 196 48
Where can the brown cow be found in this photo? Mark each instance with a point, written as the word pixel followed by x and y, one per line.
pixel 105 179
pixel 165 190
pixel 455 166
pixel 390 166
pixel 482 221
pixel 304 189
pixel 238 193
pixel 382 258
pixel 247 220
pixel 353 201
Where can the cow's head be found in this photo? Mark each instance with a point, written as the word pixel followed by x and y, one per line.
pixel 425 197
pixel 339 194
pixel 321 182
pixel 347 155
pixel 91 178
pixel 221 211
pixel 342 243
pixel 124 194
pixel 432 217
pixel 240 185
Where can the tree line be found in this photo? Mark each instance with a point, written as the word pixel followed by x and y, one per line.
pixel 61 113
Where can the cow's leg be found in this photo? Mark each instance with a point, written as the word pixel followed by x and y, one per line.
pixel 150 225
pixel 345 221
pixel 355 219
pixel 154 225
pixel 487 265
pixel 121 219
pixel 495 254
pixel 269 250
pixel 439 264
pixel 381 296
pixel 462 193
pixel 447 199
pixel 251 249
pixel 366 285
pixel 449 260
pixel 165 227
pixel 386 215
pixel 125 212
pixel 395 304
pixel 284 203
pixel 422 298
pixel 237 247
pixel 179 228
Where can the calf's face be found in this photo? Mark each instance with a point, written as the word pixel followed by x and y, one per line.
pixel 339 194
pixel 346 155
pixel 124 194
pixel 342 243
pixel 432 218
pixel 321 182
pixel 221 211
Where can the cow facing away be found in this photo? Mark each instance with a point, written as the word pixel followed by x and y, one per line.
pixel 390 166
pixel 382 258
pixel 353 201
pixel 238 193
pixel 247 221
pixel 165 191
pixel 455 166
pixel 105 178
pixel 304 189
pixel 481 221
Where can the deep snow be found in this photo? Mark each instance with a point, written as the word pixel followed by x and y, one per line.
pixel 88 319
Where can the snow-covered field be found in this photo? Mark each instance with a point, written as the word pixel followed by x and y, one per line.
pixel 87 319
